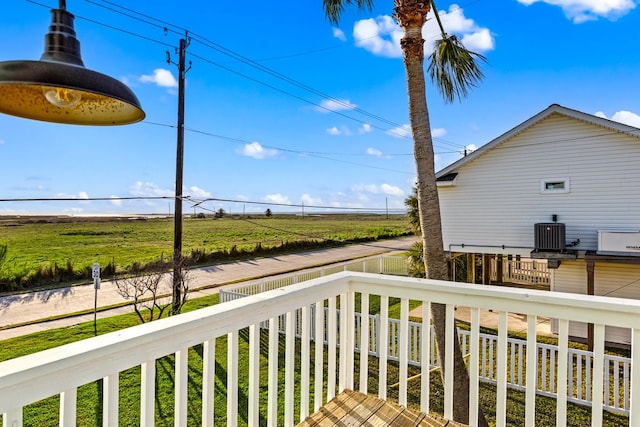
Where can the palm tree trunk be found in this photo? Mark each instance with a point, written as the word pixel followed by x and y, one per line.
pixel 429 209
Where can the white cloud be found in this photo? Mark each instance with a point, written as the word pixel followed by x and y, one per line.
pixel 403 131
pixel 342 130
pixel 474 37
pixel 194 191
pixel 82 195
pixel 309 201
pixel 386 189
pixel 365 128
pixel 277 198
pixel 381 36
pixel 588 10
pixel 331 105
pixel 626 117
pixel 438 132
pixel 339 34
pixel 479 41
pixel 257 151
pixel 149 189
pixel 374 152
pixel 116 201
pixel 160 77
pixel 391 190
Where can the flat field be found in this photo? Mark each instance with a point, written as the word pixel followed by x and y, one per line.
pixel 36 242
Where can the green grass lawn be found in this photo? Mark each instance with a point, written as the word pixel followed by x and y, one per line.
pixel 35 244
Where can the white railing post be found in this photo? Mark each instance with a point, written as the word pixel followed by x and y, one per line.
pixel 597 386
pixel 634 404
pixel 364 342
pixel 344 344
pixel 474 360
pixel 425 356
pixel 12 418
pixel 147 393
pixel 272 398
pixel 332 332
pixel 181 385
pixel 305 356
pixel 349 342
pixel 563 354
pixel 383 346
pixel 403 352
pixel 232 378
pixel 289 362
pixel 208 382
pixel 501 375
pixel 448 362
pixel 254 374
pixel 110 398
pixel 532 372
pixel 68 408
pixel 319 355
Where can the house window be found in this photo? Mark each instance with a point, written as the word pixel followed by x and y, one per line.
pixel 554 185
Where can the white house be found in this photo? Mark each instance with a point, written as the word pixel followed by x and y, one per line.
pixel 563 186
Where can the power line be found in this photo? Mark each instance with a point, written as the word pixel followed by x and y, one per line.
pixel 164 25
pixel 196 202
pixel 303 153
pixel 237 56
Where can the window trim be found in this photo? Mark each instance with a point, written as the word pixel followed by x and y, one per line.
pixel 546 181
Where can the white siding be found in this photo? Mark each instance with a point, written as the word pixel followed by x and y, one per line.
pixel 496 199
pixel 610 279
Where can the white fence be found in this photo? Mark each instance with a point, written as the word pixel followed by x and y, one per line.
pixel 617 370
pixel 525 272
pixel 383 264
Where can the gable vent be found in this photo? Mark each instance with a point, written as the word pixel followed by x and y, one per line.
pixel 549 237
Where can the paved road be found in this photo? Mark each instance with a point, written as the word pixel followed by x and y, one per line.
pixel 22 314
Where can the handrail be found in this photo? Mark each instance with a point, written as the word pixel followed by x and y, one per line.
pixel 62 370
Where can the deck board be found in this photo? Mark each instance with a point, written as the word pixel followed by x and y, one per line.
pixel 353 409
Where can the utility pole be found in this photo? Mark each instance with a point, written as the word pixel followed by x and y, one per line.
pixel 178 262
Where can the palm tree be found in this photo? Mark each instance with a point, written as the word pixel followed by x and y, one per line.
pixel 454 70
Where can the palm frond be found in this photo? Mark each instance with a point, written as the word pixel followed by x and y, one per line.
pixel 333 8
pixel 453 68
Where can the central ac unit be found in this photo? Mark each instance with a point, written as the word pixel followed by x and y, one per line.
pixel 549 237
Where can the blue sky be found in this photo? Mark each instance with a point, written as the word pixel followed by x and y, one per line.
pixel 283 107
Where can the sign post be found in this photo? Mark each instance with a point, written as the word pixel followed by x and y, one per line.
pixel 95 273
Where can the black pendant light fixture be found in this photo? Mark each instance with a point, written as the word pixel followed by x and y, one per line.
pixel 59 89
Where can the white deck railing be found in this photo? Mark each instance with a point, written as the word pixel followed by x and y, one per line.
pixel 617 368
pixel 524 272
pixel 61 371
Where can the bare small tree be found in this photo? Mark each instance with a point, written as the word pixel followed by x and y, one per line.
pixel 144 290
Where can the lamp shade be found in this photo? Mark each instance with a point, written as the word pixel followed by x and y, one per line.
pixel 59 89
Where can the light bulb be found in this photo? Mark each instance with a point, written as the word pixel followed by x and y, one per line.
pixel 62 97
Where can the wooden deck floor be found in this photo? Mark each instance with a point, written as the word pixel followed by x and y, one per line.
pixel 352 408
